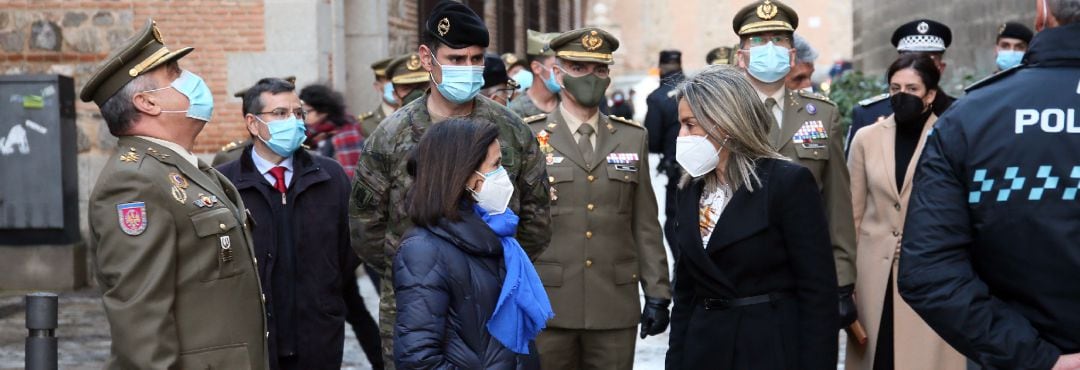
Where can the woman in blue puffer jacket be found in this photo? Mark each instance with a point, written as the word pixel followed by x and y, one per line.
pixel 467 295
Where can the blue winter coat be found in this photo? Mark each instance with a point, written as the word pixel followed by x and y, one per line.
pixel 447 280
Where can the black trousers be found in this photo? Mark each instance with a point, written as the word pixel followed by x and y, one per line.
pixel 363 324
pixel 883 356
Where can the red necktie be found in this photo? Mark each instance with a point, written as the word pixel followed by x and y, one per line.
pixel 279 175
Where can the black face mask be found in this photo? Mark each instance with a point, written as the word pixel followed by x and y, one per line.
pixel 909 109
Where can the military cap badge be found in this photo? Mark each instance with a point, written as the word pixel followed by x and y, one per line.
pixel 444 26
pixel 591 41
pixel 766 10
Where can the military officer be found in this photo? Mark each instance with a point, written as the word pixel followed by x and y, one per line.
pixel 1011 44
pixel 387 104
pixel 606 233
pixel 807 126
pixel 454 37
pixel 918 36
pixel 232 151
pixel 169 233
pixel 409 78
pixel 542 94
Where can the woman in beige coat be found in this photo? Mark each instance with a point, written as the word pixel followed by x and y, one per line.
pixel 882 162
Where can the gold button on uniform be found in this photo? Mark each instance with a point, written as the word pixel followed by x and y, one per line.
pixel 551 178
pixel 222 226
pixel 588 235
pixel 626 177
pixel 590 206
pixel 588 263
pixel 591 178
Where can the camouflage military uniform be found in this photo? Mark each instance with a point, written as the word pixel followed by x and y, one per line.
pixel 523 105
pixel 377 208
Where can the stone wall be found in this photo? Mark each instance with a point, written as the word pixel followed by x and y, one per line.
pixel 974 25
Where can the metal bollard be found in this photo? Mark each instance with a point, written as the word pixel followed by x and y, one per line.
pixel 41 318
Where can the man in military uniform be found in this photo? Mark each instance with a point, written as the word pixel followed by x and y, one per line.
pixel 918 36
pixel 454 36
pixel 606 232
pixel 232 151
pixel 800 77
pixel 807 127
pixel 497 85
pixel 722 55
pixel 662 120
pixel 169 233
pixel 543 94
pixel 387 104
pixel 409 78
pixel 1011 44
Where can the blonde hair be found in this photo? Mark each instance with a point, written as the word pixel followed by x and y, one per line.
pixel 727 107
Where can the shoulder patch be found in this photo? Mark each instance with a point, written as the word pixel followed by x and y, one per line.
pixel 991 78
pixel 534 118
pixel 132 217
pixel 624 121
pixel 873 100
pixel 365 116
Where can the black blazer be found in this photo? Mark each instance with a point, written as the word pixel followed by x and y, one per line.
pixel 773 240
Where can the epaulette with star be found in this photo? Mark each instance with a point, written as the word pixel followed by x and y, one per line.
pixel 534 118
pixel 872 100
pixel 231 146
pixel 624 121
pixel 814 95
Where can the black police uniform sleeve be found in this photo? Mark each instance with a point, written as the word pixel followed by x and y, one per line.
pixel 936 275
pixel 654 120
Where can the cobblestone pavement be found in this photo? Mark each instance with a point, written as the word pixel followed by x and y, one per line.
pixel 84 332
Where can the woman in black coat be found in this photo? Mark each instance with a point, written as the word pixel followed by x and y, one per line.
pixel 755 282
pixel 467 295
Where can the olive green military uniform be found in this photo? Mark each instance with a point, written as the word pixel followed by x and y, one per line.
pixel 812 136
pixel 606 238
pixel 230 152
pixel 378 199
pixel 170 245
pixel 809 134
pixel 536 45
pixel 370 120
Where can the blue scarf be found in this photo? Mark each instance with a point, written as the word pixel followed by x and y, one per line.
pixel 523 307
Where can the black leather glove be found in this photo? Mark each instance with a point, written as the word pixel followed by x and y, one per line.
pixel 848 312
pixel 655 316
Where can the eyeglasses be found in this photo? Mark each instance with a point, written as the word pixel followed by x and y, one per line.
pixel 507 93
pixel 775 39
pixel 282 113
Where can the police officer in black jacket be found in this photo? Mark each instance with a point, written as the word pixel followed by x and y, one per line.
pixel 918 36
pixel 662 122
pixel 991 248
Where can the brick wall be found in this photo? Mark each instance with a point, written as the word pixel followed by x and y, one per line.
pixel 71 37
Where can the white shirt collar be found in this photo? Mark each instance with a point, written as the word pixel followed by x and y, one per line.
pixel 779 96
pixel 264 165
pixel 183 153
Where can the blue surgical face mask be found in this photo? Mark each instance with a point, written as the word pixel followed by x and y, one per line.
pixel 388 93
pixel 460 84
pixel 200 99
pixel 550 82
pixel 286 135
pixel 1009 58
pixel 769 63
pixel 524 79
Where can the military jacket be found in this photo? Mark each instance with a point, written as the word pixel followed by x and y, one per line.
pixel 230 152
pixel 172 254
pixel 812 136
pixel 370 120
pixel 606 233
pixel 524 106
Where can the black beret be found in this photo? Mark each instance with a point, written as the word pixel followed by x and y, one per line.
pixel 494 71
pixel 1016 31
pixel 670 56
pixel 456 26
pixel 922 35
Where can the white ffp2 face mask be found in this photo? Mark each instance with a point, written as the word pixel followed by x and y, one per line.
pixel 696 155
pixel 495 194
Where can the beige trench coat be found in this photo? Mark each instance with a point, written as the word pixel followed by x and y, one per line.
pixel 879 210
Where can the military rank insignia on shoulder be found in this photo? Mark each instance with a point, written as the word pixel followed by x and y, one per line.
pixel 624 121
pixel 365 116
pixel 230 146
pixel 531 119
pixel 873 100
pixel 813 95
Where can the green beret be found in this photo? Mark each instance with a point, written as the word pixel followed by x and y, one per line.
pixel 406 69
pixel 140 55
pixel 765 16
pixel 585 45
